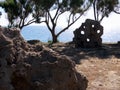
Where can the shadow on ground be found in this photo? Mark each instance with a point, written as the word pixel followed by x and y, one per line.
pixel 77 54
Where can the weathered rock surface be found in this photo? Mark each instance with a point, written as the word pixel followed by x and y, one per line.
pixel 88 34
pixel 26 66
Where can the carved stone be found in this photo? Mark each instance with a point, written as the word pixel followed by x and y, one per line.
pixel 88 35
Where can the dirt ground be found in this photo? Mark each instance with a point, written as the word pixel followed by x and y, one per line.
pixel 102 74
pixel 101 65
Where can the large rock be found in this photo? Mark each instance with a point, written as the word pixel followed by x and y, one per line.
pixel 26 66
pixel 88 35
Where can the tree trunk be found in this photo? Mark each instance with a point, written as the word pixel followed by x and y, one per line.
pixel 54 38
pixel 94 9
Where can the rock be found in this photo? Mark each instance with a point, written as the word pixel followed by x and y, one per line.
pixel 33 41
pixel 88 35
pixel 35 67
pixel 118 42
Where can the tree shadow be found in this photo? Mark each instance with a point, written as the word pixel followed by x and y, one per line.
pixel 77 54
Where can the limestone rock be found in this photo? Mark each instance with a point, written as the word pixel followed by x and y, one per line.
pixel 25 66
pixel 88 34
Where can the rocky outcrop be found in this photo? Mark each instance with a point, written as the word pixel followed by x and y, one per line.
pixel 25 66
pixel 88 35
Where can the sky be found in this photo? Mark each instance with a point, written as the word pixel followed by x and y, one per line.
pixel 111 24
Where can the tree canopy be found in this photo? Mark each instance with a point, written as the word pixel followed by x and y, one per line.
pixel 43 8
pixel 102 8
pixel 18 11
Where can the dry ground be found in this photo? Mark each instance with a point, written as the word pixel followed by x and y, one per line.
pixel 102 74
pixel 101 66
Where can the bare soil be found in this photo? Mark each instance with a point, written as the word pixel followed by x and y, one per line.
pixel 101 65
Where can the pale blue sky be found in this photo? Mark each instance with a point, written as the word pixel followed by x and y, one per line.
pixel 111 24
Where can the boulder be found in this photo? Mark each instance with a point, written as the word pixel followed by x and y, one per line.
pixel 25 66
pixel 88 35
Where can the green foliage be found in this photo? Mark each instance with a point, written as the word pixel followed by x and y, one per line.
pixel 103 8
pixel 74 6
pixel 43 8
pixel 76 3
pixel 44 4
pixel 49 41
pixel 78 6
pixel 106 5
pixel 17 10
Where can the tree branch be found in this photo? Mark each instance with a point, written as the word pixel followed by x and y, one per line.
pixel 47 22
pixel 58 17
pixel 68 26
pixel 73 21
pixel 102 18
pixel 69 18
pixel 52 20
pixel 94 8
pixel 19 25
pixel 56 12
pixel 116 12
